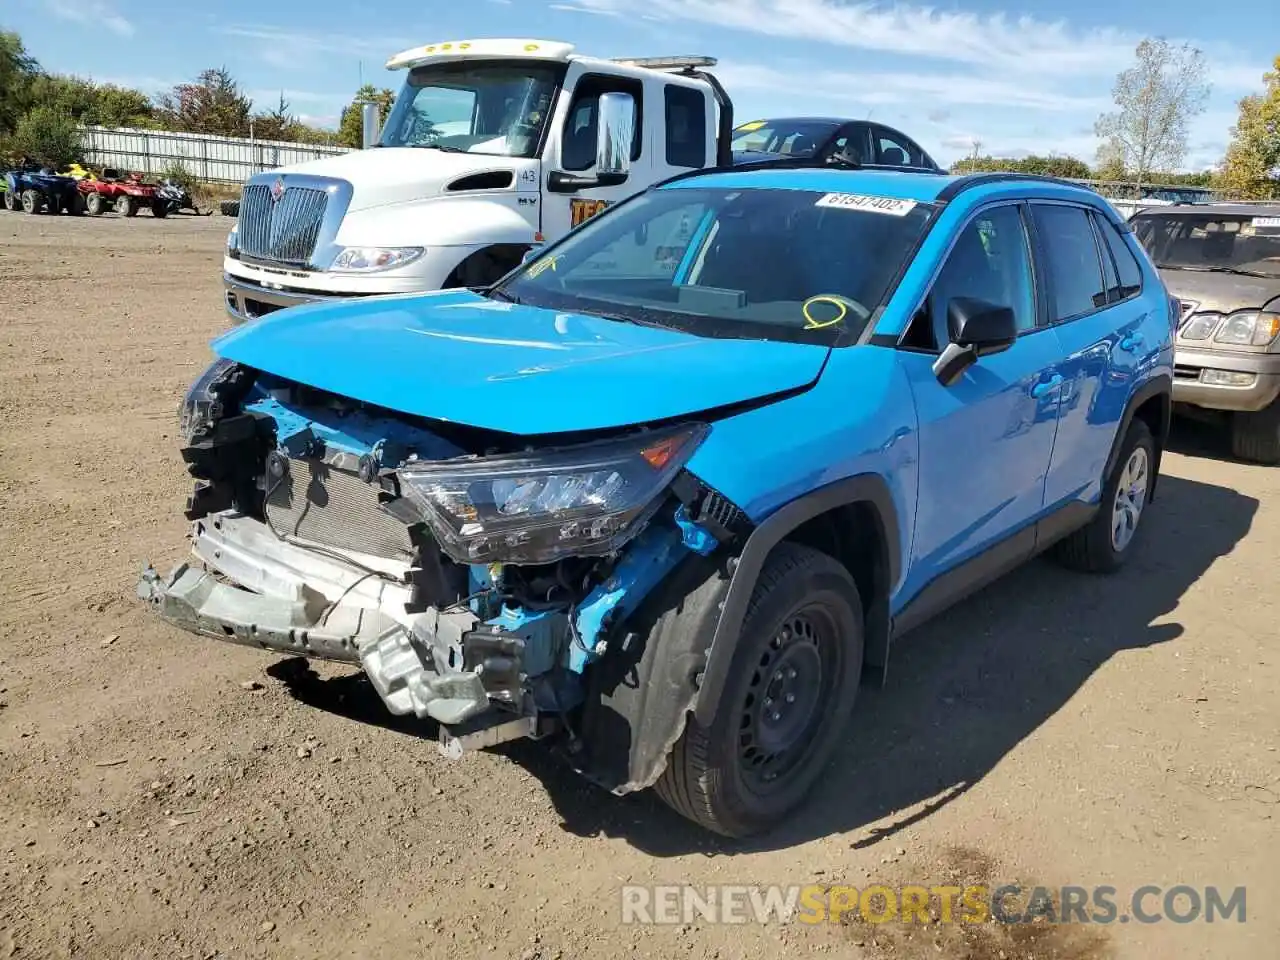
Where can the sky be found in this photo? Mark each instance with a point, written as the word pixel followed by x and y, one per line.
pixel 1014 76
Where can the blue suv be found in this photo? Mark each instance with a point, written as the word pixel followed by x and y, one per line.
pixel 666 494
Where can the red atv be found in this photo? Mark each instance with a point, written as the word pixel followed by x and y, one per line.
pixel 127 195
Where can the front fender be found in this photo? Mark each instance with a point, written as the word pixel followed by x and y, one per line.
pixel 439 222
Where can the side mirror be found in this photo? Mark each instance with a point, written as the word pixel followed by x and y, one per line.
pixel 978 329
pixel 615 135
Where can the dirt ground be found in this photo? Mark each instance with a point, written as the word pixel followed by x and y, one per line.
pixel 168 797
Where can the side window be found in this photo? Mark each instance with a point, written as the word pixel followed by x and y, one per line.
pixel 1110 281
pixel 686 125
pixel 853 144
pixel 894 150
pixel 651 254
pixel 1073 266
pixel 990 261
pixel 578 141
pixel 1130 279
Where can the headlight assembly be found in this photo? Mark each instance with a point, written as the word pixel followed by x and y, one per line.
pixel 202 407
pixel 1249 328
pixel 539 507
pixel 233 241
pixel 371 259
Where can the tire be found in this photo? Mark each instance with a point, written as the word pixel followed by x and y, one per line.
pixel 32 201
pixel 11 201
pixel 230 208
pixel 76 205
pixel 1256 436
pixel 805 615
pixel 159 208
pixel 126 206
pixel 95 204
pixel 1106 542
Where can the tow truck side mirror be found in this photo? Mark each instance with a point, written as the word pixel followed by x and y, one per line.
pixel 615 137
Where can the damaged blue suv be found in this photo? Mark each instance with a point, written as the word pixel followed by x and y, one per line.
pixel 668 492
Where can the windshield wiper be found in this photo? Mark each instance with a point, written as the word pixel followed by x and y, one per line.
pixel 443 148
pixel 1235 270
pixel 502 295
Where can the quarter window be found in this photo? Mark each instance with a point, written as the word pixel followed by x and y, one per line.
pixel 1074 270
pixel 686 125
pixel 1130 278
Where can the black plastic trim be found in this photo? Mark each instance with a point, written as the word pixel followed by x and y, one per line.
pixel 864 488
pixel 724 127
pixel 1160 384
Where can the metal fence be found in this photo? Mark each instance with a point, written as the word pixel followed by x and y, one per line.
pixel 209 158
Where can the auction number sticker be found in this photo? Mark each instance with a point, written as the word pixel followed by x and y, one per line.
pixel 858 201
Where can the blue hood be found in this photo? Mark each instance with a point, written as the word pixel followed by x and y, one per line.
pixel 459 357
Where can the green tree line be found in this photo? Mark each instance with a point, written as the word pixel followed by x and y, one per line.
pixel 40 111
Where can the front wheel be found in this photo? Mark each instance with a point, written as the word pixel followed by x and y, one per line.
pixel 1103 545
pixel 791 685
pixel 126 206
pixel 32 201
pixel 1256 436
pixel 96 204
pixel 159 208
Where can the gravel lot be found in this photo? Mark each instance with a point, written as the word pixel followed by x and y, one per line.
pixel 171 797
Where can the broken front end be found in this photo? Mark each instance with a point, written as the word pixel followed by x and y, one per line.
pixel 476 578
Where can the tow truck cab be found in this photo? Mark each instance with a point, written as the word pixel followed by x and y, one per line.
pixel 492 148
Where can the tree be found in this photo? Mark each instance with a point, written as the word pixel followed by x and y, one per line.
pixel 48 136
pixel 212 104
pixel 1053 166
pixel 90 103
pixel 277 124
pixel 1251 168
pixel 351 127
pixel 17 69
pixel 1156 100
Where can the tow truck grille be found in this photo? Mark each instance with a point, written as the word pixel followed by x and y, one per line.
pixel 284 230
pixel 335 508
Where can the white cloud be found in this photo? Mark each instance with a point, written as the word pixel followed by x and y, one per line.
pixel 994 42
pixel 91 13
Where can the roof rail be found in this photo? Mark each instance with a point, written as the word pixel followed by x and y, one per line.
pixel 958 186
pixel 667 63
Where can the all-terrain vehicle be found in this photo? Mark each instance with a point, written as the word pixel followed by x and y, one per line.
pixel 35 189
pixel 125 194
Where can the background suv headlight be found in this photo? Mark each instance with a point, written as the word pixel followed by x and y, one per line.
pixel 370 259
pixel 1249 328
pixel 534 508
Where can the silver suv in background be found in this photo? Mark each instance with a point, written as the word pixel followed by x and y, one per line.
pixel 1222 262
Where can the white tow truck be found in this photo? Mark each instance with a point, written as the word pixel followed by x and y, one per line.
pixel 492 148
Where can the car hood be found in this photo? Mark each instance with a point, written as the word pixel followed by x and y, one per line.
pixel 386 175
pixel 460 357
pixel 1222 292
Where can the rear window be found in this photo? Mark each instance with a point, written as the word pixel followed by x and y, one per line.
pixel 686 126
pixel 760 263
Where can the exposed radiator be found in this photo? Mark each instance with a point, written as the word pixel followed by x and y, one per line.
pixel 333 507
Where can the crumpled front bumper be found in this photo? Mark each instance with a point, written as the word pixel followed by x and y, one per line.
pixel 259 590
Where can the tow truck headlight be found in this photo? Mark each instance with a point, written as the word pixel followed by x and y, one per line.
pixel 370 259
pixel 202 406
pixel 1249 328
pixel 233 239
pixel 539 507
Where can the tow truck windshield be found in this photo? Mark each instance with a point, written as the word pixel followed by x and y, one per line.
pixel 490 107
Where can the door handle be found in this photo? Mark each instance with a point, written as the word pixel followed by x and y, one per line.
pixel 1131 341
pixel 1046 387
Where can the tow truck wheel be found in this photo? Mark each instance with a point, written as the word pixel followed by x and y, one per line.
pixel 32 202
pixel 1256 436
pixel 790 688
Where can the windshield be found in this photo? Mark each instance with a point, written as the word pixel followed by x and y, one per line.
pixel 1211 241
pixel 492 107
pixel 796 138
pixel 771 264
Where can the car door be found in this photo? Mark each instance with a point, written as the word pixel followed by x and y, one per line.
pixel 1098 318
pixel 985 441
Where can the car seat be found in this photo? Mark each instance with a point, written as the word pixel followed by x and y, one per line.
pixel 893 156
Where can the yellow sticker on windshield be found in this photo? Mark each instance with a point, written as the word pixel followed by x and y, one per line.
pixel 814 322
pixel 857 201
pixel 753 125
pixel 537 269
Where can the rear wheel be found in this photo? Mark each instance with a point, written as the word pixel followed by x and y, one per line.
pixel 1256 436
pixel 32 201
pixel 11 201
pixel 1103 545
pixel 126 206
pixel 160 207
pixel 96 204
pixel 791 685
